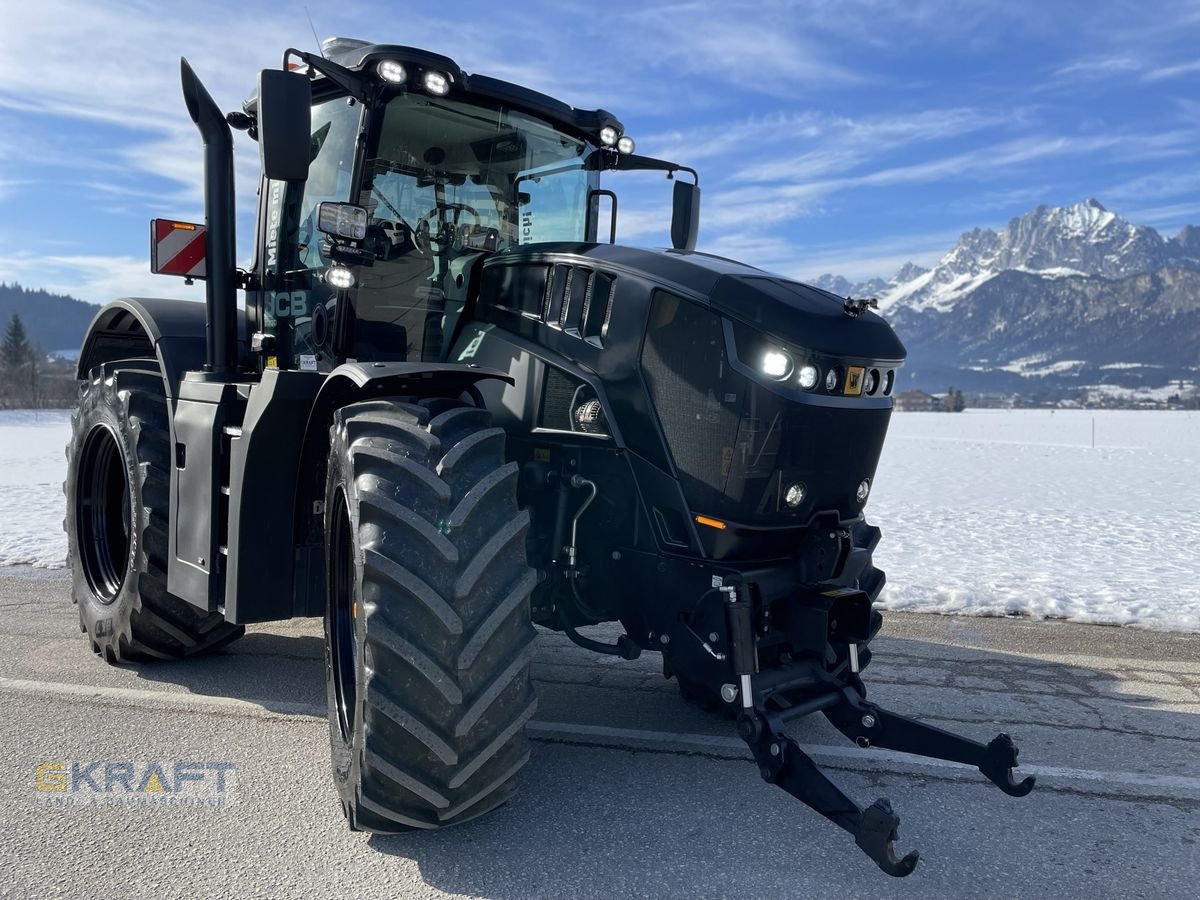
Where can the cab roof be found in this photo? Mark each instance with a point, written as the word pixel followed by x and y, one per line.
pixel 361 56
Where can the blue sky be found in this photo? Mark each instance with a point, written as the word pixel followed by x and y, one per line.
pixel 843 137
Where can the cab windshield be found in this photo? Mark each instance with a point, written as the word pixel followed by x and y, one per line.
pixel 443 183
pixel 438 161
pixel 444 180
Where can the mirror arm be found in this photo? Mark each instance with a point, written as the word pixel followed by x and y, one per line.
pixel 632 162
pixel 351 82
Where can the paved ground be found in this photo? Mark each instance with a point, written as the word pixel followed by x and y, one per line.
pixel 630 792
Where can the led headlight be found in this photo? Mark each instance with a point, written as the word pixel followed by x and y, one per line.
pixel 776 364
pixel 339 277
pixel 391 71
pixel 437 83
pixel 809 376
pixel 833 379
pixel 625 144
pixel 608 136
pixel 794 495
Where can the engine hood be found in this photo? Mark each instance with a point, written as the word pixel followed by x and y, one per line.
pixel 791 311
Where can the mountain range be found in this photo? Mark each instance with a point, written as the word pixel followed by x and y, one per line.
pixel 1060 298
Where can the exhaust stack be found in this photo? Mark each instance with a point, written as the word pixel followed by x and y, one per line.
pixel 220 292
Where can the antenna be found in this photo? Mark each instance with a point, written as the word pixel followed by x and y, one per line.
pixel 320 49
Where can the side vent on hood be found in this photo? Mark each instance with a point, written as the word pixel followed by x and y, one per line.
pixel 576 300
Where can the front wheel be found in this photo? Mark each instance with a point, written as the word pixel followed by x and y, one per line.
pixel 428 633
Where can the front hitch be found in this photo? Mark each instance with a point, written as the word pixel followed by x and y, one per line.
pixel 781 761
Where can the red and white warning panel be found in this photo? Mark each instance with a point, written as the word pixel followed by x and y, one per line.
pixel 177 248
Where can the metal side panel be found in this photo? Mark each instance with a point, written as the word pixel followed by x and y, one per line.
pixel 207 414
pixel 261 577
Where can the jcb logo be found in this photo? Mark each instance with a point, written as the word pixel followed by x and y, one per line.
pixel 288 304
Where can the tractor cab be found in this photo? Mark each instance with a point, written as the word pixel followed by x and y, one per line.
pixel 416 173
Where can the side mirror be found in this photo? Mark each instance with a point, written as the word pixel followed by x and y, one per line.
pixel 284 124
pixel 685 215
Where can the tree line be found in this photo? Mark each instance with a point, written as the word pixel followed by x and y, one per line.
pixel 28 379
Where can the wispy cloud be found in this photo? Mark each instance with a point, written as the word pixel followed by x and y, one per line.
pixel 1167 218
pixel 856 261
pixel 1093 68
pixel 1164 72
pixel 845 143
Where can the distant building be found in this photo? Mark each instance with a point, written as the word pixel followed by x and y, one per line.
pixel 918 401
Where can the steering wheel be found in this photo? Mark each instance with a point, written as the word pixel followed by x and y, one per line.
pixel 421 233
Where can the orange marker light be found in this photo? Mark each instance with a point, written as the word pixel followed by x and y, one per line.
pixel 711 523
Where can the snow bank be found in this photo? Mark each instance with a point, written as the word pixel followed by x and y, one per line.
pixel 988 512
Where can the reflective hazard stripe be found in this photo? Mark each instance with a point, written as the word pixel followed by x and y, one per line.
pixel 178 248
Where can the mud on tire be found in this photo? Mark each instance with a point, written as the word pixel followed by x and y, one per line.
pixel 118 497
pixel 428 633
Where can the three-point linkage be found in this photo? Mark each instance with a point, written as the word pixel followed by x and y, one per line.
pixel 782 762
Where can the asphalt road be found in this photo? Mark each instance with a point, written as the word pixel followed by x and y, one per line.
pixel 630 792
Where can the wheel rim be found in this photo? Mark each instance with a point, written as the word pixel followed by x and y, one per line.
pixel 343 641
pixel 103 515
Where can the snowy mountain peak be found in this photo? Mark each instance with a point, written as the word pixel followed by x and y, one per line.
pixel 1084 238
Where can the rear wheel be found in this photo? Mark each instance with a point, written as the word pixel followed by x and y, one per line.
pixel 118 494
pixel 428 632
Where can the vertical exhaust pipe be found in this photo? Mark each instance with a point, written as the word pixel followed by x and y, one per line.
pixel 220 291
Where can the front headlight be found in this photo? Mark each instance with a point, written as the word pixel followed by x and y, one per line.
pixel 776 363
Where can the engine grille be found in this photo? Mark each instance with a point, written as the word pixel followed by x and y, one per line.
pixel 737 445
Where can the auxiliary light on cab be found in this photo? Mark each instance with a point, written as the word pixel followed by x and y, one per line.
pixel 437 83
pixel 392 71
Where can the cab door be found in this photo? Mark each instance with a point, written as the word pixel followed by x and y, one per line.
pixel 297 307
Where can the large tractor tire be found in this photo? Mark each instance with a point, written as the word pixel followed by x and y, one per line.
pixel 428 632
pixel 118 495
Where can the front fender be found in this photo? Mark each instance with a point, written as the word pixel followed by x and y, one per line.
pixel 351 383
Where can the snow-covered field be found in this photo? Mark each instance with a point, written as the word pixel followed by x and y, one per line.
pixel 988 512
pixel 33 465
pixel 994 512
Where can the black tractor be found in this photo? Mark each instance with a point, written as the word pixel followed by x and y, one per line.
pixel 447 411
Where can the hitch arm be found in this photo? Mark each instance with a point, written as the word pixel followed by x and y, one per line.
pixel 869 725
pixel 783 763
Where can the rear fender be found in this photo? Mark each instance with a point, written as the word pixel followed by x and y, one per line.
pixel 169 331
